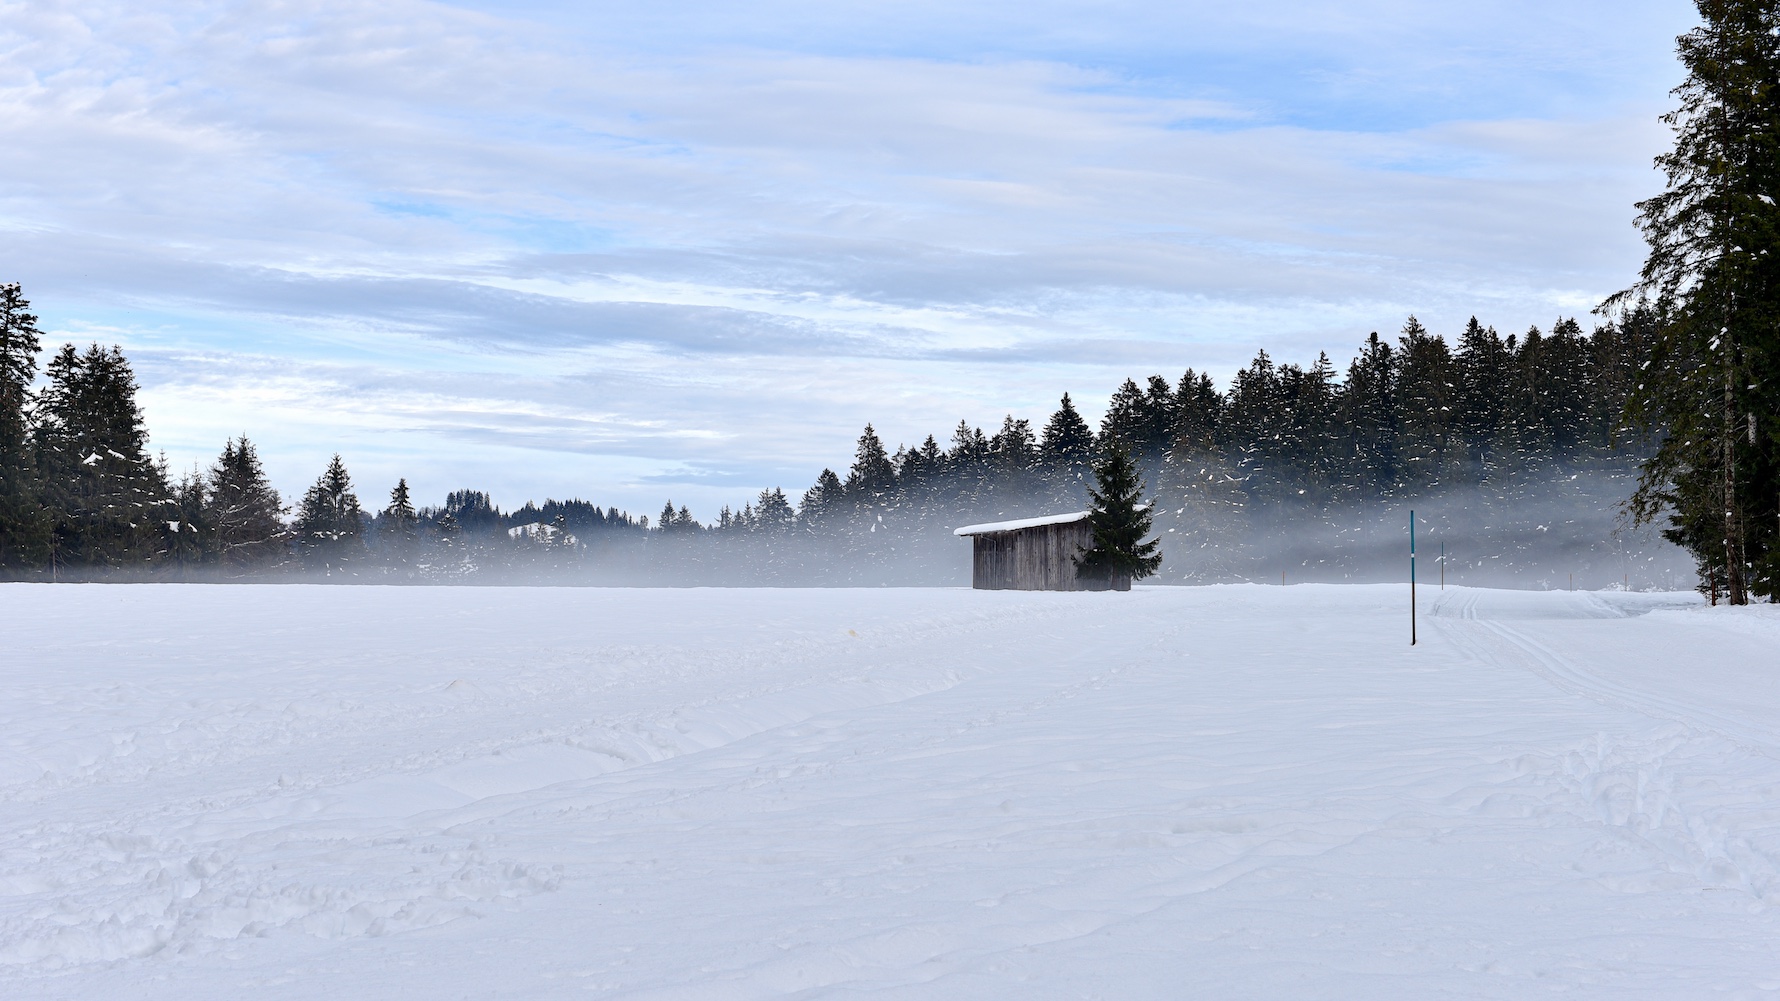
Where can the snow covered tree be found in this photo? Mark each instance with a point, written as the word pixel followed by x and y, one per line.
pixel 24 531
pixel 399 529
pixel 1142 419
pixel 474 512
pixel 676 521
pixel 1485 367
pixel 191 539
pixel 919 471
pixel 1712 389
pixel 1067 447
pixel 967 466
pixel 772 512
pixel 872 478
pixel 1427 445
pixel 244 513
pixel 1369 419
pixel 1013 453
pixel 822 502
pixel 107 500
pixel 330 527
pixel 1199 408
pixel 1119 555
pixel 449 532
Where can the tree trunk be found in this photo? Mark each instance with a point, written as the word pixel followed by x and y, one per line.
pixel 1736 592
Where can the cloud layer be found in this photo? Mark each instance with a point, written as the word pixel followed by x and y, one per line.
pixel 626 253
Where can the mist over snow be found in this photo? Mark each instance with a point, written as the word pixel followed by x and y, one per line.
pixel 629 252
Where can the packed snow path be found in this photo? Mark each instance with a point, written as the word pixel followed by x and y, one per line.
pixel 1233 792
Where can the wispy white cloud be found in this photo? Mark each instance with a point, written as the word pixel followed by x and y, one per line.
pixel 569 250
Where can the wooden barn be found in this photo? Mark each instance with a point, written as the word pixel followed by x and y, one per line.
pixel 1033 554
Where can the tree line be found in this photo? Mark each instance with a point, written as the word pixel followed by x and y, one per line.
pixel 1237 472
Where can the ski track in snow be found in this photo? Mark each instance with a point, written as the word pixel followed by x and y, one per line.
pixel 1218 792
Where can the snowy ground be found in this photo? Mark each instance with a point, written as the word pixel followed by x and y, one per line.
pixel 1226 792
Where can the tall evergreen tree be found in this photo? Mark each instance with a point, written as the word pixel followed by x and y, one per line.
pixel 822 502
pixel 1713 269
pixel 1013 452
pixel 1253 412
pixel 967 465
pixel 1139 420
pixel 1428 448
pixel 1314 449
pixel 1198 408
pixel 1369 418
pixel 399 528
pixel 1067 448
pixel 330 527
pixel 773 513
pixel 676 521
pixel 1484 393
pixel 24 532
pixel 244 512
pixel 873 476
pixel 1120 554
pixel 191 539
pixel 107 499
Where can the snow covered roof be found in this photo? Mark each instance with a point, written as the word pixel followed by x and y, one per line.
pixel 1009 526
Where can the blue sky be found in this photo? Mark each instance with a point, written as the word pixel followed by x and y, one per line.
pixel 630 251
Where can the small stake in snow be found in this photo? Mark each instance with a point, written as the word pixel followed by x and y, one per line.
pixel 1411 578
pixel 1443 564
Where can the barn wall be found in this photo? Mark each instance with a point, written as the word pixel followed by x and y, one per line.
pixel 1041 558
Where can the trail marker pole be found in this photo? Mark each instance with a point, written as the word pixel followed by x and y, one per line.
pixel 1411 578
pixel 1442 564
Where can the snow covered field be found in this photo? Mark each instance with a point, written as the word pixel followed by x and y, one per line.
pixel 1223 792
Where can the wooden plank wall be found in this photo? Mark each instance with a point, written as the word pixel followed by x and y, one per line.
pixel 1041 558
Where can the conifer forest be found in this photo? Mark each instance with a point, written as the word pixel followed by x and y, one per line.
pixel 1520 452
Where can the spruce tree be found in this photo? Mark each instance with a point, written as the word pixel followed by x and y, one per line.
pixel 772 512
pixel 244 512
pixel 191 539
pixel 1253 413
pixel 822 502
pixel 1712 390
pixel 399 528
pixel 967 466
pixel 1067 448
pixel 1119 554
pixel 107 500
pixel 1128 419
pixel 1313 446
pixel 1198 408
pixel 873 477
pixel 1428 446
pixel 1485 377
pixel 1369 420
pixel 1013 454
pixel 24 531
pixel 330 527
